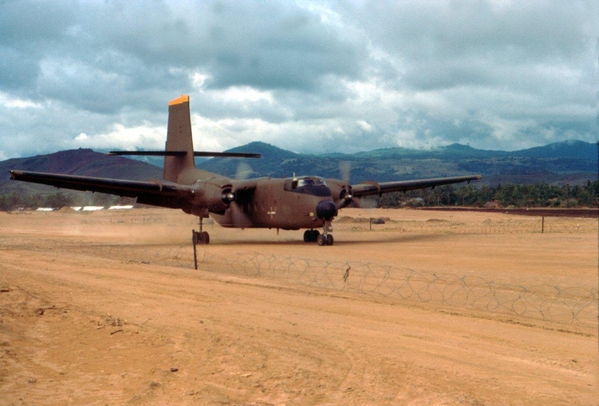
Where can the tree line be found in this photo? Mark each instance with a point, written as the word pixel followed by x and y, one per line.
pixel 535 195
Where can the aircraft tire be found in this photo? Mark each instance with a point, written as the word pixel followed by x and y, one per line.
pixel 308 236
pixel 196 238
pixel 321 240
pixel 205 237
pixel 311 235
pixel 330 239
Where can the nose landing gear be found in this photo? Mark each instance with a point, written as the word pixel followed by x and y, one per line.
pixel 320 239
pixel 325 239
pixel 326 210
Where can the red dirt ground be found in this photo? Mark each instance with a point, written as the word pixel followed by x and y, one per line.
pixel 85 319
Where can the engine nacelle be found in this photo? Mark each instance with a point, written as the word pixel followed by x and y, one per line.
pixel 215 198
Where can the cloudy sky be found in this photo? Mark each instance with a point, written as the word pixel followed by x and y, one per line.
pixel 308 76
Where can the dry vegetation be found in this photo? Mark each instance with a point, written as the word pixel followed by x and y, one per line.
pixel 95 311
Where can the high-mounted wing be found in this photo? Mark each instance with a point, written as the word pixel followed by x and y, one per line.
pixel 183 153
pixel 373 188
pixel 159 193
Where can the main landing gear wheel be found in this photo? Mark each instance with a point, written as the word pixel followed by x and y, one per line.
pixel 321 240
pixel 311 235
pixel 201 237
pixel 325 239
pixel 330 239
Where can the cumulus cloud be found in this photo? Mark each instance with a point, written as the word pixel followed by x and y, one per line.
pixel 307 76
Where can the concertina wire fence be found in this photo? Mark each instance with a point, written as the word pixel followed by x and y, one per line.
pixel 574 305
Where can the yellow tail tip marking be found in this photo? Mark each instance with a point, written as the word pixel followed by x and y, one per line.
pixel 182 99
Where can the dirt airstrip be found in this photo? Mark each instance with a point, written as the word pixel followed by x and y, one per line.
pixel 427 308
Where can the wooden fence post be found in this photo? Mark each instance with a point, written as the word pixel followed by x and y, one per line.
pixel 195 256
pixel 542 224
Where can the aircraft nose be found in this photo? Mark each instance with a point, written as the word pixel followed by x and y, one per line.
pixel 326 210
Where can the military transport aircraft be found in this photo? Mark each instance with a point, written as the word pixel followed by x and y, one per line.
pixel 293 203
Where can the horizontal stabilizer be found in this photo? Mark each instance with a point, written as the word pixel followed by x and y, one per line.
pixel 149 153
pixel 182 153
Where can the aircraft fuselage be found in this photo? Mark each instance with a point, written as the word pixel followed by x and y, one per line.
pixel 287 203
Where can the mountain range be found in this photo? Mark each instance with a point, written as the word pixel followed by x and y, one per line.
pixel 558 163
pixel 569 162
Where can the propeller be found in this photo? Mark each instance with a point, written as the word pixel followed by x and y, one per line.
pixel 346 197
pixel 244 171
pixel 238 216
pixel 345 171
pixel 232 198
pixel 369 202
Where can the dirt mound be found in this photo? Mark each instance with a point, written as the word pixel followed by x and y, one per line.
pixel 65 209
pixel 348 219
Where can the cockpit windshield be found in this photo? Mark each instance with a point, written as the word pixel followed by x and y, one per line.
pixel 310 182
pixel 311 185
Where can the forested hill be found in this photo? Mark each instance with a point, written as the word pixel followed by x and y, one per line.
pixel 82 162
pixel 571 162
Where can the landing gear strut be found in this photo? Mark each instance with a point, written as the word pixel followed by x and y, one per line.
pixel 201 237
pixel 325 238
pixel 198 237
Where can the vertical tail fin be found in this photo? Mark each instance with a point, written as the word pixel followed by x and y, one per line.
pixel 178 138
